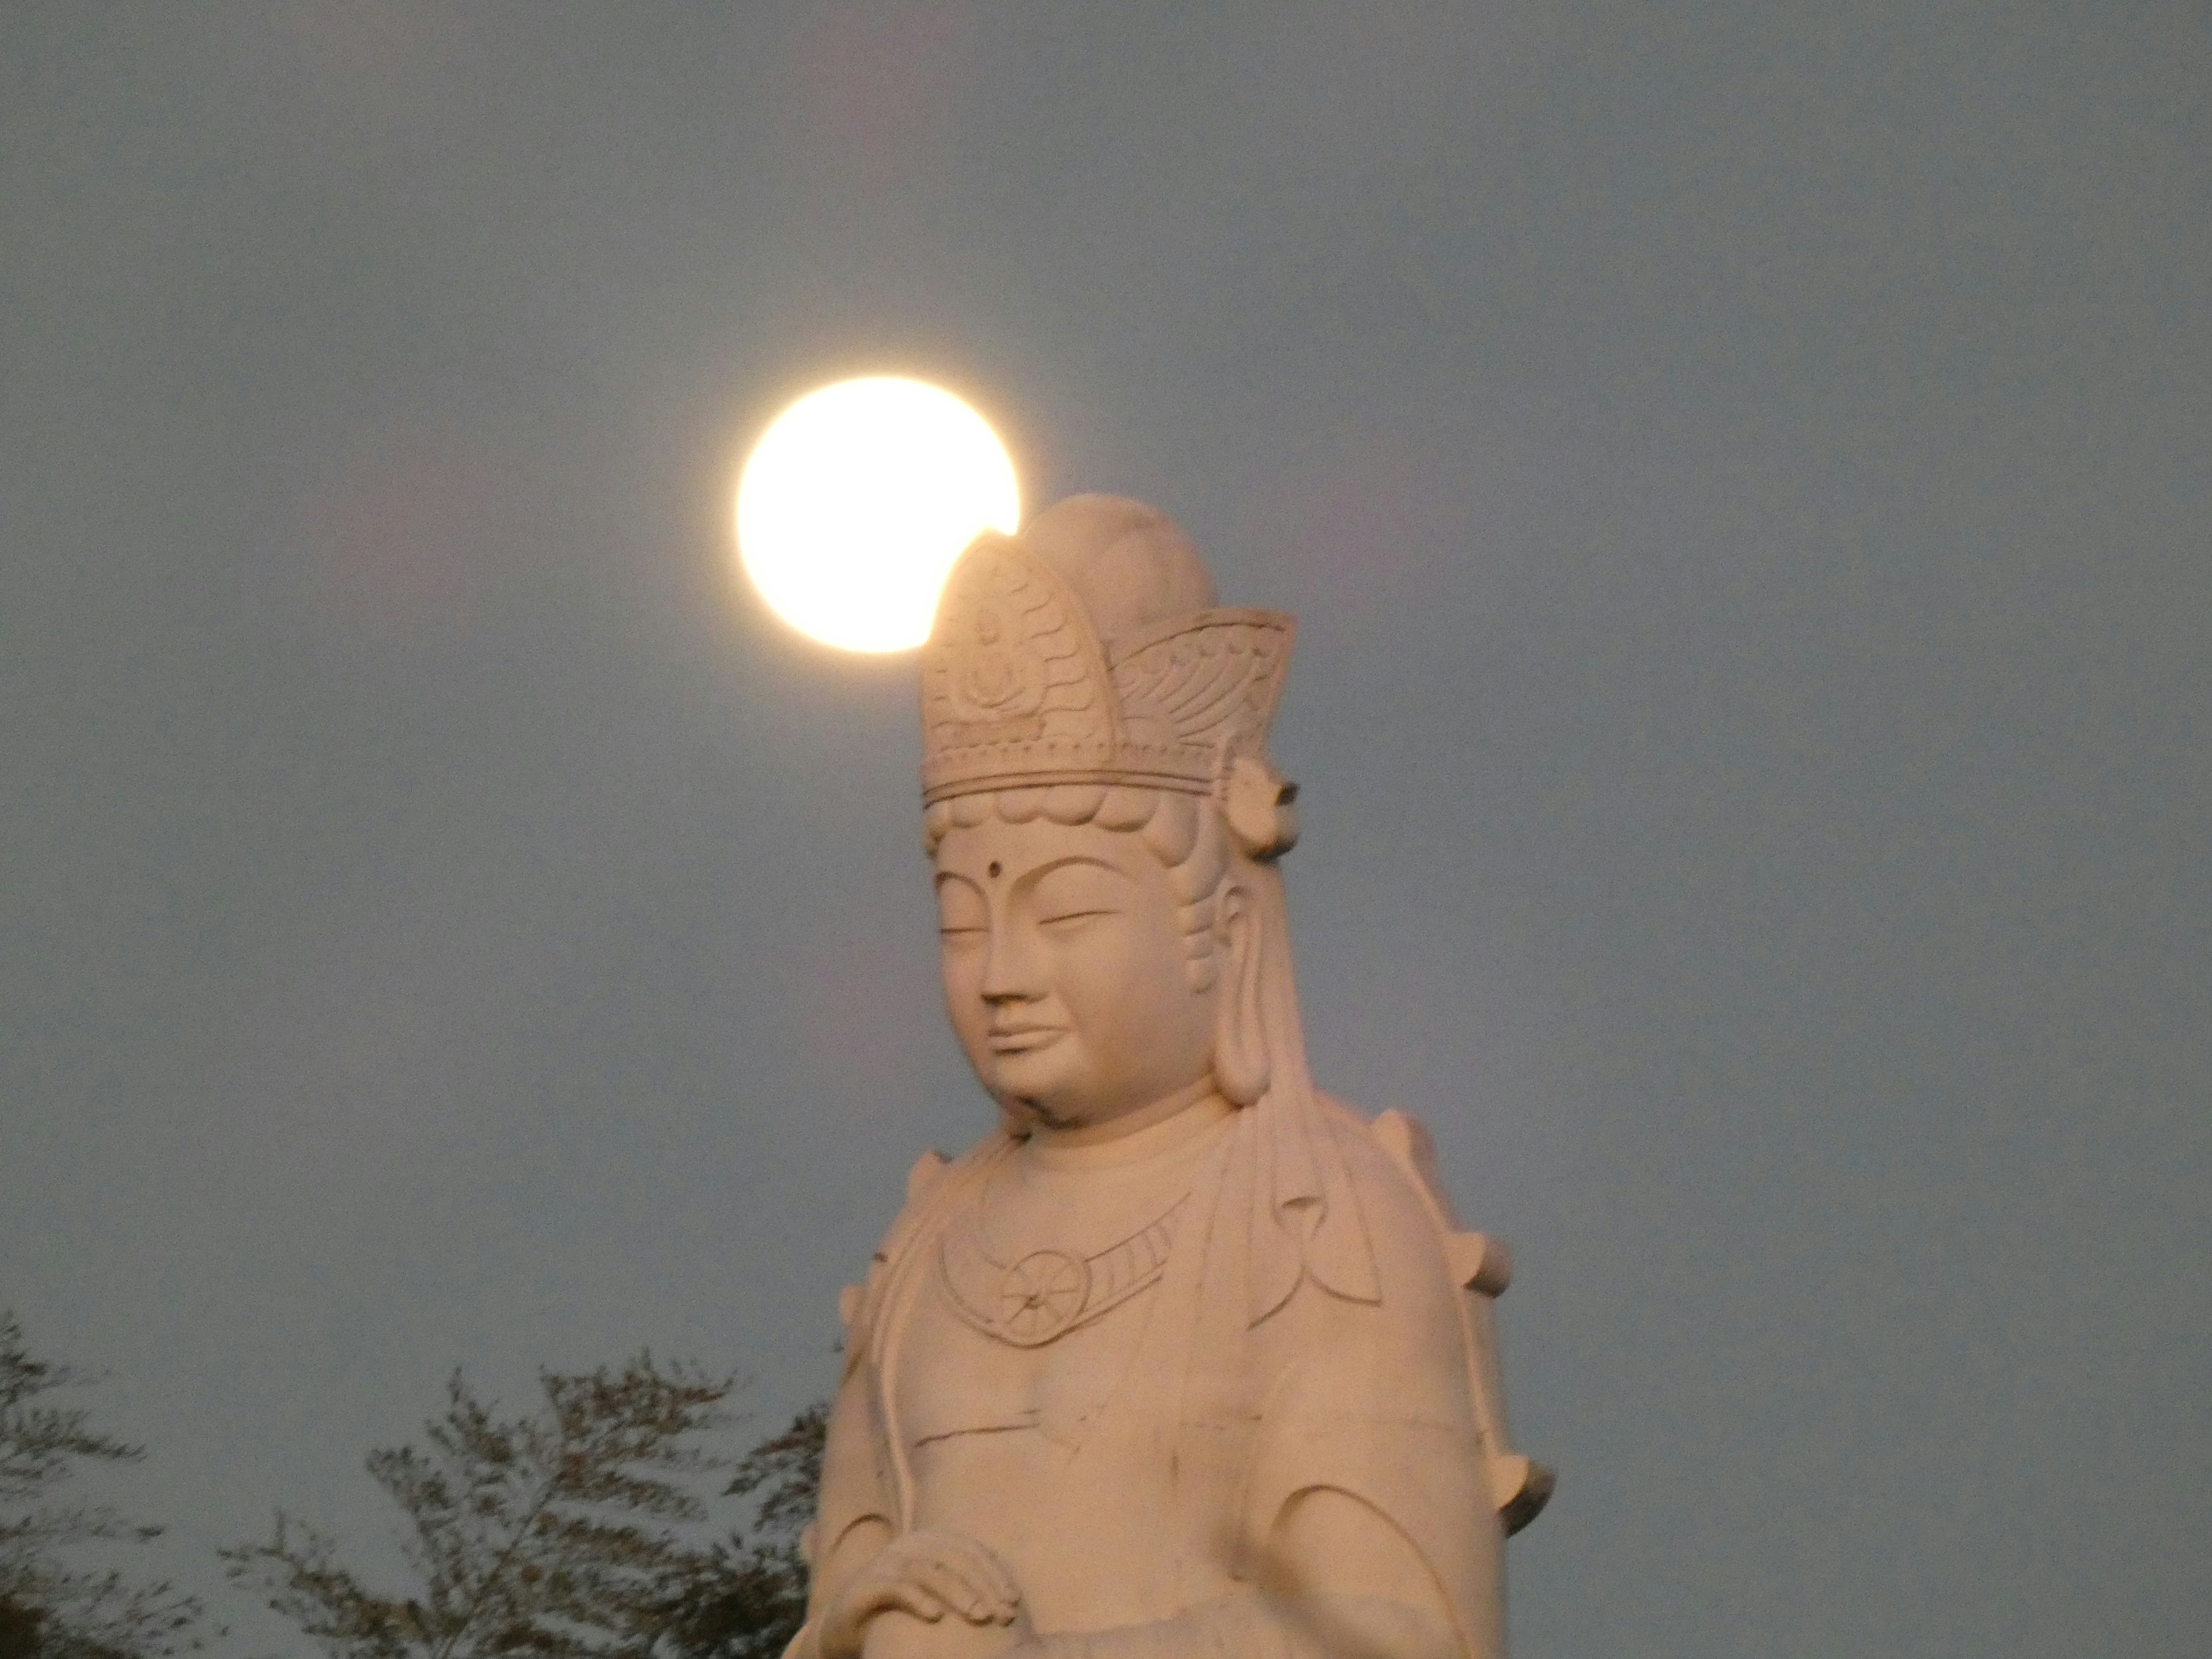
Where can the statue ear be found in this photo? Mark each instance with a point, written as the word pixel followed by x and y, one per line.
pixel 1240 1045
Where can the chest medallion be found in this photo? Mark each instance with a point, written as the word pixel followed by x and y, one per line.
pixel 1048 1293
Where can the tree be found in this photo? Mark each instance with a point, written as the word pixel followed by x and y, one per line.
pixel 754 1602
pixel 48 1609
pixel 573 1532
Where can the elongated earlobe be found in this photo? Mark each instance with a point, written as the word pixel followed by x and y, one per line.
pixel 1240 1044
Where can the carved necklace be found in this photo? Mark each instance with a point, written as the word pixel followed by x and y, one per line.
pixel 1048 1293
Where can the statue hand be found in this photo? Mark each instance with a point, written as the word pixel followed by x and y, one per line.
pixel 925 1574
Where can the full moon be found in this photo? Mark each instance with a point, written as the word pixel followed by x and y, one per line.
pixel 855 502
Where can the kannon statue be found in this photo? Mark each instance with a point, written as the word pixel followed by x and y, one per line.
pixel 1185 1360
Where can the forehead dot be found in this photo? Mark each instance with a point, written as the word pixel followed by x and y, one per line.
pixel 996 866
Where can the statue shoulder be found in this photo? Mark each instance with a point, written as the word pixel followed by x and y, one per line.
pixel 1394 1162
pixel 931 1183
pixel 1411 1217
pixel 933 1186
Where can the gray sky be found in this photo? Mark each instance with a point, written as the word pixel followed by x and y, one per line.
pixel 1745 475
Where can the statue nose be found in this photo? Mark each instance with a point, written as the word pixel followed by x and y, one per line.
pixel 1009 972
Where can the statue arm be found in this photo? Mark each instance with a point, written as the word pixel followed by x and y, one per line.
pixel 1355 1582
pixel 860 1564
pixel 853 1513
pixel 865 1567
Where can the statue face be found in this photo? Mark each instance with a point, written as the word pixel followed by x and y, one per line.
pixel 1064 970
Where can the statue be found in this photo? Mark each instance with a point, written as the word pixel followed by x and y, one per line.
pixel 1185 1358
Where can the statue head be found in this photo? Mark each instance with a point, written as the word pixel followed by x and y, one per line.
pixel 1101 814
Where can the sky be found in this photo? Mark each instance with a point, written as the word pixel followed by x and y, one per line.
pixel 1744 474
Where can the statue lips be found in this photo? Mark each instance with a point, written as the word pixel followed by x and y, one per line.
pixel 1023 1039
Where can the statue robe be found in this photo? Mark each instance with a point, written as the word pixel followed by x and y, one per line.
pixel 1306 1333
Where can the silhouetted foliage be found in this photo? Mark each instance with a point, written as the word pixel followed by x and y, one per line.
pixel 49 1609
pixel 758 1602
pixel 572 1534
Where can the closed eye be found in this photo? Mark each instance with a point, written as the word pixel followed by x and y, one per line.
pixel 1064 917
pixel 961 912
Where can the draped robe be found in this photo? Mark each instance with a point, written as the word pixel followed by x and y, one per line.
pixel 1306 1331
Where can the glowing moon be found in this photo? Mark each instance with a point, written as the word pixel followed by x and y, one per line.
pixel 855 502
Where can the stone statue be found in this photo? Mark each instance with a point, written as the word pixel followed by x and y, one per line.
pixel 1185 1358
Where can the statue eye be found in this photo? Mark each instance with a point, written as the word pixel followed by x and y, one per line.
pixel 1068 917
pixel 961 913
pixel 1074 893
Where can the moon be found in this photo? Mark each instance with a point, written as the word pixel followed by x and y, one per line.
pixel 857 499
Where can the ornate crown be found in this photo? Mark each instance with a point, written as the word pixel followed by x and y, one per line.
pixel 1019 688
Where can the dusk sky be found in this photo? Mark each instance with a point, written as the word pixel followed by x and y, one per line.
pixel 1744 474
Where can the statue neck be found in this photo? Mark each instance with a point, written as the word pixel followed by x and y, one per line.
pixel 1134 1135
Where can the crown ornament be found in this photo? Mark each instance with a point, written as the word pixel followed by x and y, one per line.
pixel 1020 689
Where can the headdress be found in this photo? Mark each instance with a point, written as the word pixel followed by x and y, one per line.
pixel 1089 650
pixel 1051 662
